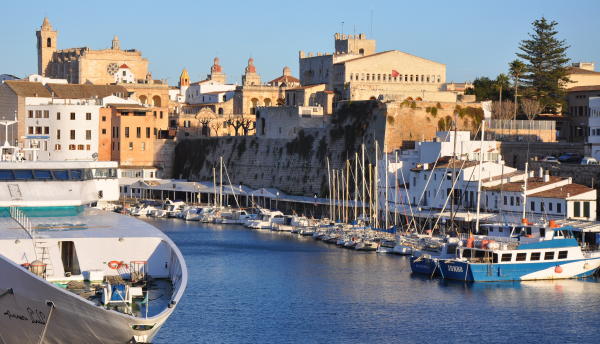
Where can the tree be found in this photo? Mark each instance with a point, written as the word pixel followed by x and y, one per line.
pixel 516 69
pixel 503 110
pixel 546 64
pixel 501 83
pixel 531 108
pixel 483 89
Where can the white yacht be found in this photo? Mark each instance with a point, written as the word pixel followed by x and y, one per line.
pixel 71 273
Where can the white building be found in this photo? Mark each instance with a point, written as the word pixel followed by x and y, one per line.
pixel 124 75
pixel 209 91
pixel 594 125
pixel 424 187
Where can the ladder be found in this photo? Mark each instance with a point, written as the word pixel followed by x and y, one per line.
pixel 15 192
pixel 42 252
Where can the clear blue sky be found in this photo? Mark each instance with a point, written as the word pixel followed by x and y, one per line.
pixel 473 38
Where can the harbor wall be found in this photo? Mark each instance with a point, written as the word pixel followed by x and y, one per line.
pixel 298 166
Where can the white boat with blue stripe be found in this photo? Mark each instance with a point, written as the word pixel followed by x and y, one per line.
pixel 556 254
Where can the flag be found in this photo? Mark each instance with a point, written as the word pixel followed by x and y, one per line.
pixel 395 73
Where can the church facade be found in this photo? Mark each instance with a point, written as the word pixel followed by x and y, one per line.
pixel 85 65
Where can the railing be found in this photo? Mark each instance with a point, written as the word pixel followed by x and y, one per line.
pixel 19 216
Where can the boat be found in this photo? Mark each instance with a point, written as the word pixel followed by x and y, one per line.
pixel 555 254
pixel 386 246
pixel 427 258
pixel 72 273
pixel 266 220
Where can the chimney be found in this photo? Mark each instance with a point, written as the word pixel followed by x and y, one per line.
pixel 547 176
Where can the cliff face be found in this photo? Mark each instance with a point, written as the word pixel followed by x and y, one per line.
pixel 297 166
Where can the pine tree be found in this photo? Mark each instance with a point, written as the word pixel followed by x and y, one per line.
pixel 546 64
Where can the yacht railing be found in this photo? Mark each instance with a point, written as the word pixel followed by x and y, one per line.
pixel 19 216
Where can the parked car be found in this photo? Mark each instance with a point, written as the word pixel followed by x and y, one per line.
pixel 570 158
pixel 550 158
pixel 588 160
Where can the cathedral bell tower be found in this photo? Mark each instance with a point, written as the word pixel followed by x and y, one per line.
pixel 250 76
pixel 46 46
pixel 216 72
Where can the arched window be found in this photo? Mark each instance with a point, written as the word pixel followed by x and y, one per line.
pixel 422 78
pixel 367 76
pixel 267 101
pixel 143 99
pixel 156 101
pixel 254 105
pixel 361 51
pixel 411 77
pixel 220 111
pixel 49 42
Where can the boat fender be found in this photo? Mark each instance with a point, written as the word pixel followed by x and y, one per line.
pixel 114 264
pixel 558 269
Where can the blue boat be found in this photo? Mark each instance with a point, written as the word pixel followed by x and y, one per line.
pixel 555 255
pixel 426 260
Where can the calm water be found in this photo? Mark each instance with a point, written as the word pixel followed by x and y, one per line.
pixel 262 287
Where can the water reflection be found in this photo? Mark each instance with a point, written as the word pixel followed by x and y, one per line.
pixel 259 286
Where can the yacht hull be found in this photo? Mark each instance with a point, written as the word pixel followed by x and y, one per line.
pixel 32 308
pixel 473 272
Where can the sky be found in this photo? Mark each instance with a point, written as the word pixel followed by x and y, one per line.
pixel 473 38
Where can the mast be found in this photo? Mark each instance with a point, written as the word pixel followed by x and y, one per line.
pixel 396 192
pixel 387 209
pixel 333 199
pixel 347 189
pixel 370 194
pixel 330 191
pixel 525 191
pixel 376 185
pixel 364 199
pixel 480 176
pixel 214 186
pixel 221 183
pixel 355 186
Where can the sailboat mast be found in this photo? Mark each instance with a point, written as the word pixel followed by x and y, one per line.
pixel 347 189
pixel 480 176
pixel 387 207
pixel 370 194
pixel 525 191
pixel 376 185
pixel 330 191
pixel 364 199
pixel 215 186
pixel 221 183
pixel 355 186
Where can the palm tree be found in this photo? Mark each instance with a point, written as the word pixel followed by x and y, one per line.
pixel 501 83
pixel 516 69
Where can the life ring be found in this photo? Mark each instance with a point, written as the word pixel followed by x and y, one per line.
pixel 114 264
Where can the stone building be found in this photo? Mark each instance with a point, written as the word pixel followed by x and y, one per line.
pixel 85 65
pixel 583 74
pixel 355 71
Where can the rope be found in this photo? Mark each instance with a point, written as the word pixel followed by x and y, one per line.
pixel 51 305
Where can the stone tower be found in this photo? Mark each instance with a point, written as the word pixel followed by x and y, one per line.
pixel 46 46
pixel 250 76
pixel 216 72
pixel 184 79
pixel 354 44
pixel 116 45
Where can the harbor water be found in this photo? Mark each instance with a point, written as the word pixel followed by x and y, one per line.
pixel 249 286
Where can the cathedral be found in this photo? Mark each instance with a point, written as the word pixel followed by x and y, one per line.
pixel 87 66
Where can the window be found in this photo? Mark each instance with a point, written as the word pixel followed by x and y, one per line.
pixel 535 256
pixel 46 114
pixel 30 130
pixel 138 132
pixel 103 118
pixel 521 257
pixel 576 209
pixel 72 134
pixel 103 131
pixel 512 200
pixel 562 254
pixel 130 145
pixel 549 255
pixel 505 200
pixel 23 174
pixel 46 130
pixel 532 206
pixel 30 113
pixel 42 174
pixel 60 174
pixel 127 132
pixel 586 209
pixel 38 113
pixel 147 132
pixel 558 208
pixel 88 116
pixel 506 257
pixel 88 134
pixel 72 116
pixel 57 147
pixel 79 147
pixel 38 130
pixel 143 146
pixel 542 206
pixel 161 114
pixel 518 201
pixel 58 116
pixel 71 147
pixel 88 147
pixel 550 206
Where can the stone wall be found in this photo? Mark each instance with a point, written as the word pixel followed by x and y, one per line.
pixel 516 153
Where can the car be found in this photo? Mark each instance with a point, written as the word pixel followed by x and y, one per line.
pixel 588 160
pixel 550 158
pixel 570 158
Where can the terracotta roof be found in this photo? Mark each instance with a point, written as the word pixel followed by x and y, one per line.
pixel 85 91
pixel 577 70
pixel 28 89
pixel 532 183
pixel 584 88
pixel 124 66
pixel 565 191
pixel 505 176
pixel 284 79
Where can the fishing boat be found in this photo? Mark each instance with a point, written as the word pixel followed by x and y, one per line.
pixel 427 258
pixel 71 273
pixel 556 254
